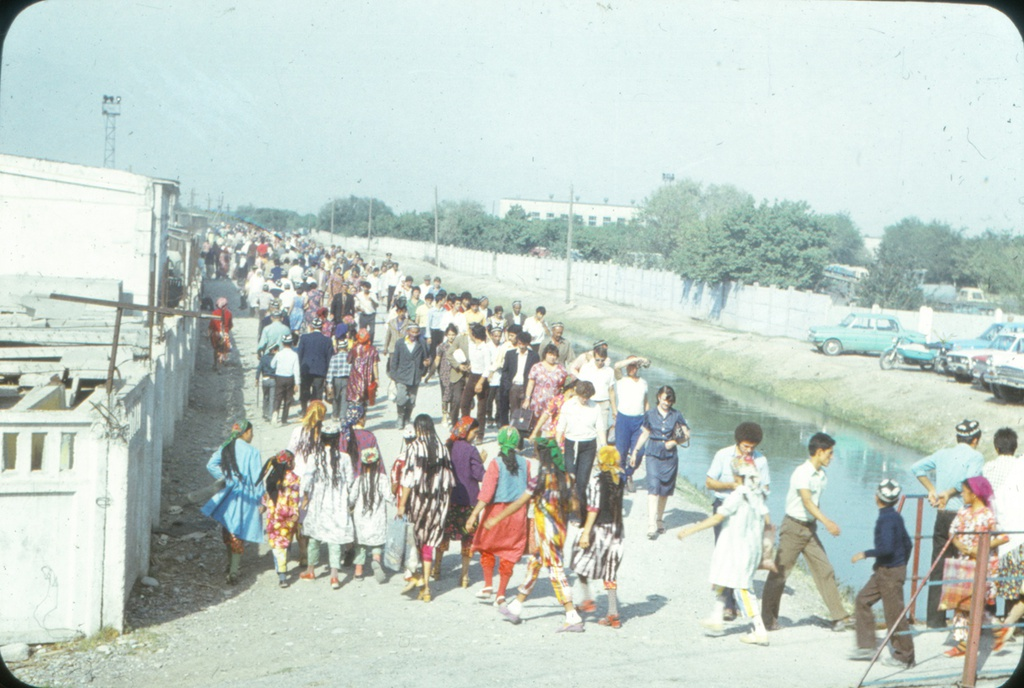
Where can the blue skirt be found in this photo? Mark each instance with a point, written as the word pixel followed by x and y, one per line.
pixel 661 475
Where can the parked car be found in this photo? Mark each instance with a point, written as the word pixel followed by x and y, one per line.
pixel 961 353
pixel 870 333
pixel 1006 378
pixel 980 361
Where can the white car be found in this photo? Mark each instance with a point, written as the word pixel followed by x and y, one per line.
pixel 979 361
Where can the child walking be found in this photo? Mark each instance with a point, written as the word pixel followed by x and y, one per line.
pixel 280 508
pixel 367 495
pixel 411 557
pixel 554 502
pixel 891 553
pixel 598 550
pixel 738 551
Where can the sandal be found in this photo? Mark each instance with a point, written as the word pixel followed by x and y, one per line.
pixel 411 583
pixel 485 593
pixel 335 584
pixel 425 595
pixel 612 620
pixel 586 607
pixel 465 581
pixel 306 575
pixel 1000 635
pixel 959 650
pixel 661 527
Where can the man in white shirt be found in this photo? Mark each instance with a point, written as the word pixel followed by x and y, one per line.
pixel 286 377
pixel 632 404
pixel 499 346
pixel 366 308
pixel 477 370
pixel 581 430
pixel 601 374
pixel 798 535
pixel 537 328
pixel 295 273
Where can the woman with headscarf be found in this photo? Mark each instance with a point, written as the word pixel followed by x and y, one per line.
pixel 312 304
pixel 663 429
pixel 598 550
pixel 505 479
pixel 427 483
pixel 220 332
pixel 368 493
pixel 976 517
pixel 280 508
pixel 467 463
pixel 304 444
pixel 362 380
pixel 236 506
pixel 554 502
pixel 327 518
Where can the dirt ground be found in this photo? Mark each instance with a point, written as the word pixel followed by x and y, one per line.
pixel 193 630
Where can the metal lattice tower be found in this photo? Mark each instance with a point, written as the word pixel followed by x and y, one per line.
pixel 111 109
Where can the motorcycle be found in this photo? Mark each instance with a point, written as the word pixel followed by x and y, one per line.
pixel 925 356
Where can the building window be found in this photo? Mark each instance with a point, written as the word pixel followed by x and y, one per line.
pixel 592 221
pixel 550 216
pixel 535 214
pixel 563 216
pixel 67 451
pixel 38 446
pixel 10 450
pixel 620 221
pixel 606 221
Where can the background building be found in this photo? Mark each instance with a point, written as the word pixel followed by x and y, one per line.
pixel 587 214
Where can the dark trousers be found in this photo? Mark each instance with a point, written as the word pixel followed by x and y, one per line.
pixel 885 584
pixel 579 462
pixel 513 400
pixel 469 392
pixel 391 295
pixel 627 432
pixel 943 520
pixel 455 407
pixel 369 321
pixel 490 413
pixel 267 384
pixel 436 337
pixel 311 387
pixel 284 388
pixel 339 385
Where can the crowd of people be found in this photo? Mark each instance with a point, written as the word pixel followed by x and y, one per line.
pixel 571 431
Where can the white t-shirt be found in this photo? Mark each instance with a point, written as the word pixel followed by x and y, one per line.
pixel 630 395
pixel 602 378
pixel 480 357
pixel 804 477
pixel 535 328
pixel 581 422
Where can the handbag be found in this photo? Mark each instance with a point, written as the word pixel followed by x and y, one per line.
pixel 957 583
pixel 371 393
pixel 522 419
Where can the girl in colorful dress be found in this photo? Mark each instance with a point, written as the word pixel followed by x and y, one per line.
pixel 427 483
pixel 304 444
pixel 280 508
pixel 975 517
pixel 664 429
pixel 738 551
pixel 363 358
pixel 546 378
pixel 598 550
pixel 312 304
pixel 236 506
pixel 367 495
pixel 467 463
pixel 327 516
pixel 505 479
pixel 220 333
pixel 554 502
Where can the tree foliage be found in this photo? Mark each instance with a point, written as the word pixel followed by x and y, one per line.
pixel 275 219
pixel 352 214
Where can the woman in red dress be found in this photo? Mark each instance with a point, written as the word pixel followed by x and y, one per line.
pixel 220 333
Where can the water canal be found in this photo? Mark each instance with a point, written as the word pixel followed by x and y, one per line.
pixel 713 410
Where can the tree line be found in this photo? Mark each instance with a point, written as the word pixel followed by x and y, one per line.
pixel 710 233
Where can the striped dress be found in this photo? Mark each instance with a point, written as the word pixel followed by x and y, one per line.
pixel 429 492
pixel 601 560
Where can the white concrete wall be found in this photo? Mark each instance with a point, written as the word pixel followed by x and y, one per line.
pixel 70 220
pixel 750 308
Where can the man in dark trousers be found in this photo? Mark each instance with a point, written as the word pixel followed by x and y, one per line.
pixel 315 351
pixel 406 367
pixel 515 373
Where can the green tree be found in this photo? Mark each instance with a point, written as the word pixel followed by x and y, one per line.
pixel 274 219
pixel 351 215
pixel 846 245
pixel 933 247
pixel 894 280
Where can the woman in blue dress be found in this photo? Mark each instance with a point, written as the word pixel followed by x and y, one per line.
pixel 663 430
pixel 236 506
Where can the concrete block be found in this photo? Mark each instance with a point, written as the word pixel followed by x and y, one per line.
pixel 15 652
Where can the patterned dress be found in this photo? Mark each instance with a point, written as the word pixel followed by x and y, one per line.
pixel 601 560
pixel 314 300
pixel 429 492
pixel 281 518
pixel 553 408
pixel 445 373
pixel 548 519
pixel 967 519
pixel 546 383
pixel 362 359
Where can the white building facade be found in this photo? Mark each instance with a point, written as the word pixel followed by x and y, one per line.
pixel 586 214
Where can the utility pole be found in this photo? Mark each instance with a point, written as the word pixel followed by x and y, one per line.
pixel 437 222
pixel 568 253
pixel 111 110
pixel 369 227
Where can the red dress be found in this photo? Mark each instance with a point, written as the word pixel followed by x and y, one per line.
pixel 507 540
pixel 220 328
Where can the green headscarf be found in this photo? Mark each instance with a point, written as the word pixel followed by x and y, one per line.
pixel 237 430
pixel 557 457
pixel 508 439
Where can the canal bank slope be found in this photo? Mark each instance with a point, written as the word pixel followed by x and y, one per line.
pixel 910 407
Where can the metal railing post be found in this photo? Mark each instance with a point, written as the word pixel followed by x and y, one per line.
pixel 978 598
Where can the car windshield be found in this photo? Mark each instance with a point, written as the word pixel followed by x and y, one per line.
pixel 990 334
pixel 1003 342
pixel 848 320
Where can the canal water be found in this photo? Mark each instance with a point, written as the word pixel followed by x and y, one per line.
pixel 713 410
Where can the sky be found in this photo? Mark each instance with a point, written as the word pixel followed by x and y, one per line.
pixel 879 110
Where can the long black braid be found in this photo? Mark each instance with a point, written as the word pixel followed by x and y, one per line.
pixel 228 460
pixel 610 506
pixel 568 504
pixel 509 460
pixel 272 476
